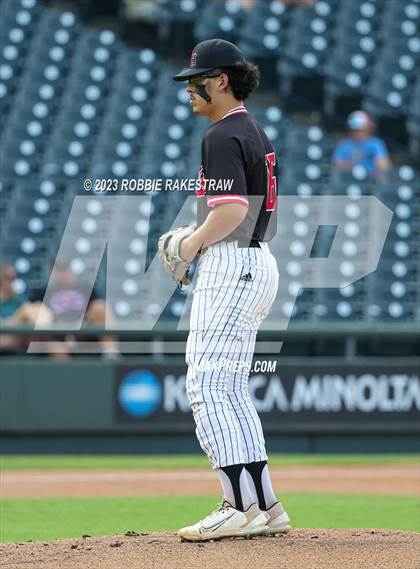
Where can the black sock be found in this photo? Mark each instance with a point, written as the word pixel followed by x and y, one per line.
pixel 255 469
pixel 234 474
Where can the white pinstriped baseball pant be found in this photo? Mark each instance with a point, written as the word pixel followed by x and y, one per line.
pixel 225 316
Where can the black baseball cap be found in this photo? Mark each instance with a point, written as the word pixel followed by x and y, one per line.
pixel 211 54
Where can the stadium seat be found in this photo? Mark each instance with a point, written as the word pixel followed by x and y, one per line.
pixel 219 19
pixel 262 35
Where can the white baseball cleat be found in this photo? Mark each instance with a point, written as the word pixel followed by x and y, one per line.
pixel 278 521
pixel 226 521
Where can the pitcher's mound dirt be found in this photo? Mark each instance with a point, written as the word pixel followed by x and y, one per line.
pixel 299 549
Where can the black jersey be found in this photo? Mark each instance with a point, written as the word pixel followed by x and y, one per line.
pixel 238 162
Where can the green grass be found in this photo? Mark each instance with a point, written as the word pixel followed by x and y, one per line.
pixel 11 462
pixel 42 519
pixel 66 518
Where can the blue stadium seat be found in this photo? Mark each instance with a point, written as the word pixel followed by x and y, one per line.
pixel 344 303
pixel 413 119
pixel 219 19
pixel 308 38
pixel 262 35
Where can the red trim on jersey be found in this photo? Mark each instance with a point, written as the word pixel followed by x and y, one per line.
pixel 227 198
pixel 235 111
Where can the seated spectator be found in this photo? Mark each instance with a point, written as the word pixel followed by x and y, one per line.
pixel 149 11
pixel 73 300
pixel 67 296
pixel 361 147
pixel 16 310
pixel 10 301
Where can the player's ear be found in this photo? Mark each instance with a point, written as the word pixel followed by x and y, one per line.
pixel 224 81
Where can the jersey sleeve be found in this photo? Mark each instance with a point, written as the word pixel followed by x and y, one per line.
pixel 224 170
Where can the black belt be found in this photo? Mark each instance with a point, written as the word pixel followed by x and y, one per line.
pixel 245 243
pixel 242 243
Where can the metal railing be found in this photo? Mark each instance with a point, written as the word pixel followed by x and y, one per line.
pixel 350 338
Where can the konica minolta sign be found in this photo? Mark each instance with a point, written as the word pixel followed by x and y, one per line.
pixel 292 395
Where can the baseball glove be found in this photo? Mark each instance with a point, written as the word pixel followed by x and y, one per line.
pixel 169 245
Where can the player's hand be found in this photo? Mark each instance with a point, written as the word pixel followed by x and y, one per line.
pixel 189 248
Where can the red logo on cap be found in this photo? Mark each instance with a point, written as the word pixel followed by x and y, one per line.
pixel 193 60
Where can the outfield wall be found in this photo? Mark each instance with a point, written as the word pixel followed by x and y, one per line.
pixel 137 405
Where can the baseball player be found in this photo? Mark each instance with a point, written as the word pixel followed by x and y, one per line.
pixel 236 286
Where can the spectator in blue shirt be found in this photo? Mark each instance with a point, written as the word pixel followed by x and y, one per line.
pixel 361 147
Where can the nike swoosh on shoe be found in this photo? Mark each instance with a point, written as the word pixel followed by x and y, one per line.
pixel 216 526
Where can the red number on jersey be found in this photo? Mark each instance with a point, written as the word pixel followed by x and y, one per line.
pixel 270 162
pixel 202 183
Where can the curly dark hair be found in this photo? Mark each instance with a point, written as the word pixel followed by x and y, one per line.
pixel 243 79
